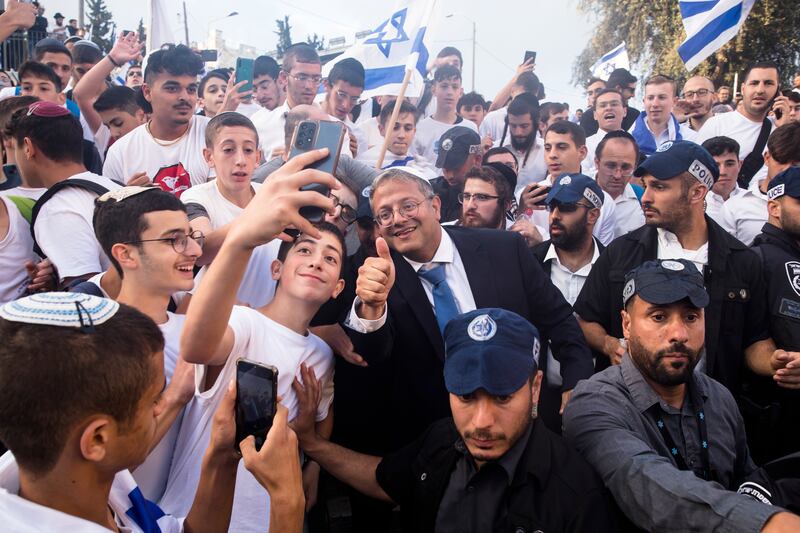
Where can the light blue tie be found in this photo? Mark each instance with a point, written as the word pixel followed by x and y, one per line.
pixel 443 300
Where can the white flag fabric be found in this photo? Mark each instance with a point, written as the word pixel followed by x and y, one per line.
pixel 400 42
pixel 612 60
pixel 709 25
pixel 159 27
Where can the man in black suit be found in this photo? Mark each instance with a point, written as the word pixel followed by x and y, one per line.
pixel 406 296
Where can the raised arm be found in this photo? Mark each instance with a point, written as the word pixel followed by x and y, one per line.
pixel 93 83
pixel 504 95
pixel 17 16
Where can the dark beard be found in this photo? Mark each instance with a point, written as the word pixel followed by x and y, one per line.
pixel 650 364
pixel 570 238
pixel 526 143
pixel 492 223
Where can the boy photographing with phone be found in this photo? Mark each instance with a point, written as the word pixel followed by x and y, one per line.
pixel 217 332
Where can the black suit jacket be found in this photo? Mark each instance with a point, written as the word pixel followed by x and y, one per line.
pixel 502 272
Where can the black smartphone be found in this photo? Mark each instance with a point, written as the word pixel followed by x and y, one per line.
pixel 256 400
pixel 208 55
pixel 311 135
pixel 13 179
pixel 125 33
pixel 244 72
pixel 530 54
pixel 545 191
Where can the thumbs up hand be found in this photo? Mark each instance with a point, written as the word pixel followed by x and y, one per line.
pixel 375 280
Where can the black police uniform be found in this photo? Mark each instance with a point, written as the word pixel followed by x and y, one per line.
pixel 735 319
pixel 553 489
pixel 451 207
pixel 773 426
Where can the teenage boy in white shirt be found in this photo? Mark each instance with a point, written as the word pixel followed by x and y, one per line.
pixel 447 90
pixel 86 406
pixel 725 152
pixel 217 332
pixel 168 149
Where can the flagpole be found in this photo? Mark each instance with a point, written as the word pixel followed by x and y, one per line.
pixel 393 119
pixel 735 86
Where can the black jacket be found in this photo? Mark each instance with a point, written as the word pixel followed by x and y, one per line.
pixel 409 349
pixel 735 318
pixel 451 207
pixel 554 488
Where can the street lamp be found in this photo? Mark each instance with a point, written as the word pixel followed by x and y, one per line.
pixel 474 31
pixel 229 15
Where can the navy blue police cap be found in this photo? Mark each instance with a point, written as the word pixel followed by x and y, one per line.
pixel 665 281
pixel 673 158
pixel 569 188
pixel 455 145
pixel 786 183
pixel 490 349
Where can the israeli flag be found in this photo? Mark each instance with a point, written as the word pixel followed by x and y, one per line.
pixel 616 58
pixel 398 43
pixel 709 25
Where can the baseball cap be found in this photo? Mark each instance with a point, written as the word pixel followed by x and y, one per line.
pixel 676 157
pixel 786 183
pixel 665 281
pixel 58 16
pixel 490 349
pixel 569 188
pixel 363 209
pixel 63 309
pixel 455 145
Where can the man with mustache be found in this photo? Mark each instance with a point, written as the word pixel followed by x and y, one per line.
pixel 486 198
pixel 168 149
pixel 491 466
pixel 677 179
pixel 749 124
pixel 668 441
pixel 567 257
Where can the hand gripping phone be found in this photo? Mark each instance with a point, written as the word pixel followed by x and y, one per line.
pixel 256 400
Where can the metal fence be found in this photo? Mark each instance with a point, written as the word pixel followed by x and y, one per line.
pixel 14 50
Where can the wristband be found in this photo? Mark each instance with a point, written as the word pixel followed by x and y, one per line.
pixel 113 62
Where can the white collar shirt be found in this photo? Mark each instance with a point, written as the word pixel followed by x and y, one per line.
pixel 628 215
pixel 669 247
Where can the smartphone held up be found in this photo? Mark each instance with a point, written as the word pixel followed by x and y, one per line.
pixel 256 400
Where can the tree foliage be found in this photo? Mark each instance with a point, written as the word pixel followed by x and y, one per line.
pixel 284 33
pixel 652 30
pixel 316 41
pixel 141 31
pixel 102 22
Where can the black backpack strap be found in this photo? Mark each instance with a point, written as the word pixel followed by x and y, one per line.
pixel 755 159
pixel 90 186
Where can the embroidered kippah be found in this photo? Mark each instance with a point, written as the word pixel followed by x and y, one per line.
pixel 47 110
pixel 63 309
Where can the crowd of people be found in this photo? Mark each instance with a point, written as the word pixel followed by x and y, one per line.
pixel 523 319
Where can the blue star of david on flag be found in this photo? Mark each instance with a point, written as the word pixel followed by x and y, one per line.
pixel 397 21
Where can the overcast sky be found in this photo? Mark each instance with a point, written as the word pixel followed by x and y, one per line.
pixel 505 29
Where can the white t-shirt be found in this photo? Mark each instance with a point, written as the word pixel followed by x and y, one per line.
pixel 19 515
pixel 533 169
pixel 429 131
pixel 248 110
pixel 733 125
pixel 152 474
pixel 259 339
pixel 16 249
pixel 257 287
pixel 371 131
pixel 270 126
pixel 34 193
pixel 65 232
pixel 744 216
pixel 370 158
pixel 494 123
pixel 174 168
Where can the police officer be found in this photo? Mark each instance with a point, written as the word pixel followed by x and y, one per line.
pixel 459 151
pixel 775 433
pixel 492 466
pixel 677 178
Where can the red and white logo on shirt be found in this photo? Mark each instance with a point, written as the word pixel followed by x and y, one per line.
pixel 173 179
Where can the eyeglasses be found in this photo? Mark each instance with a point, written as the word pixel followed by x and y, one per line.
pixel 344 97
pixel 305 78
pixel 566 208
pixel 346 212
pixel 698 92
pixel 407 209
pixel 465 198
pixel 625 170
pixel 179 242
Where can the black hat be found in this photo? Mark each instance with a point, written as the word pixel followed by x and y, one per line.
pixel 673 158
pixel 664 282
pixel 455 145
pixel 58 16
pixel 507 172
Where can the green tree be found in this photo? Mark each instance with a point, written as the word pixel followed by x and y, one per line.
pixel 102 23
pixel 284 33
pixel 316 41
pixel 141 31
pixel 652 30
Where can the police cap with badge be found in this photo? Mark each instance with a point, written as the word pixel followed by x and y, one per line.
pixel 569 188
pixel 490 349
pixel 673 158
pixel 786 183
pixel 665 281
pixel 456 145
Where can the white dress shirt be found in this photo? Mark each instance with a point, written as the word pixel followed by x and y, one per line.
pixel 570 284
pixel 628 215
pixel 454 274
pixel 715 202
pixel 669 247
pixel 744 216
